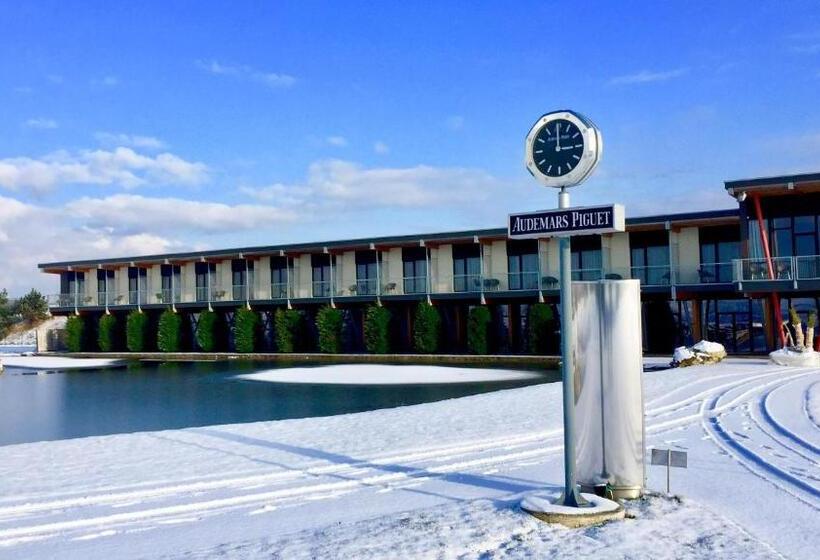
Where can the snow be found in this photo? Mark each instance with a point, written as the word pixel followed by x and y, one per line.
pixel 546 502
pixel 708 347
pixel 438 480
pixel 791 358
pixel 682 353
pixel 58 364
pixel 371 374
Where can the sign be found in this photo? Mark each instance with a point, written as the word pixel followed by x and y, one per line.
pixel 669 458
pixel 567 221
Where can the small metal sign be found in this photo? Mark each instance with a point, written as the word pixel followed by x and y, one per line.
pixel 669 458
pixel 567 221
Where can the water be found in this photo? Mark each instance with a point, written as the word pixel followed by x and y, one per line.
pixel 15 349
pixel 142 397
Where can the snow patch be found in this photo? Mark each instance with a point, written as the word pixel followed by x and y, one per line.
pixel 792 358
pixel 59 364
pixel 371 374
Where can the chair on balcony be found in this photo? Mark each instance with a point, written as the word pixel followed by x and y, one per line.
pixel 491 284
pixel 613 276
pixel 784 272
pixel 389 288
pixel 549 282
pixel 706 276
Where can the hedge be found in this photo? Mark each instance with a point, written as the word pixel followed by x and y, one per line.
pixel 541 327
pixel 377 330
pixel 426 326
pixel 169 331
pixel 246 323
pixel 74 328
pixel 136 329
pixel 329 324
pixel 287 323
pixel 106 329
pixel 206 331
pixel 478 324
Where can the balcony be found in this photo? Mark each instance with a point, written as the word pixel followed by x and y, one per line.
pixel 705 273
pixel 241 292
pixel 414 284
pixel 778 273
pixel 280 290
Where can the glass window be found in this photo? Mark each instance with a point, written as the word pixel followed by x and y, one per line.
pixel 522 264
pixel 321 275
pixel 466 268
pixel 414 263
pixel 366 273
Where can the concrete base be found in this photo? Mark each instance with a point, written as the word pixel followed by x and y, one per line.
pixel 599 511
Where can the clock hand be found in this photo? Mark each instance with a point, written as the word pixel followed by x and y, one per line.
pixel 557 137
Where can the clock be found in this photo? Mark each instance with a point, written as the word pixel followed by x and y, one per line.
pixel 562 149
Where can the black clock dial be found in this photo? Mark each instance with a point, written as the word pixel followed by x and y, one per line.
pixel 558 148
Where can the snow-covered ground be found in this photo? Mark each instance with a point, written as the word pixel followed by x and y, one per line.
pixel 371 374
pixel 438 480
pixel 53 363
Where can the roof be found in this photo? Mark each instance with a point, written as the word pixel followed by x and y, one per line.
pixel 777 181
pixel 413 239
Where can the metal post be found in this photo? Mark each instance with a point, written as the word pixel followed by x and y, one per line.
pixel 571 497
pixel 668 468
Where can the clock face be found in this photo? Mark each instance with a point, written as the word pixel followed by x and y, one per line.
pixel 558 148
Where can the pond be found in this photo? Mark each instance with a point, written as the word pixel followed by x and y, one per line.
pixel 163 396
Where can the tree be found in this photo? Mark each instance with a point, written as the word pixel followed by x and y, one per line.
pixel 478 324
pixel 32 307
pixel 329 325
pixel 136 330
pixel 74 331
pixel 376 330
pixel 105 333
pixel 287 323
pixel 169 331
pixel 246 323
pixel 541 327
pixel 206 331
pixel 6 315
pixel 426 326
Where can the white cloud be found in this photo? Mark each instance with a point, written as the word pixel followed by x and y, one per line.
pixel 131 140
pixel 347 184
pixel 132 214
pixel 272 80
pixel 381 148
pixel 120 166
pixel 41 123
pixel 454 122
pixel 646 76
pixel 338 141
pixel 107 81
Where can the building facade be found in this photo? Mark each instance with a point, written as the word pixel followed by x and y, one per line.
pixel 725 275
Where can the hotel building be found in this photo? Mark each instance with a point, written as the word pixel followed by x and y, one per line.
pixel 724 275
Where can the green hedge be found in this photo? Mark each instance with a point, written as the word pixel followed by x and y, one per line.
pixel 426 327
pixel 246 323
pixel 377 330
pixel 136 330
pixel 478 324
pixel 541 327
pixel 169 331
pixel 106 330
pixel 329 325
pixel 287 323
pixel 206 331
pixel 74 330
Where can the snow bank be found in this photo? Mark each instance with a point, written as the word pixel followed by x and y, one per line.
pixel 58 364
pixel 371 374
pixel 792 358
pixel 704 352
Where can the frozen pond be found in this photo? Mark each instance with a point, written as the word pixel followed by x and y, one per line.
pixel 147 397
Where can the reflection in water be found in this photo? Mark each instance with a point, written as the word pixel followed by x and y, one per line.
pixel 145 397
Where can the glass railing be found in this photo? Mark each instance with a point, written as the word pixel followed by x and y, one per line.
pixel 776 268
pixel 587 274
pixel 414 284
pixel 705 273
pixel 208 294
pixel 660 275
pixel 279 290
pixel 466 283
pixel 241 292
pixel 321 288
pixel 808 267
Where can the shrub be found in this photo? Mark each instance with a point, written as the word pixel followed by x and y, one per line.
pixel 105 333
pixel 136 329
pixel 32 307
pixel 169 331
pixel 478 324
pixel 206 331
pixel 246 323
pixel 376 330
pixel 74 329
pixel 329 325
pixel 541 327
pixel 287 323
pixel 426 326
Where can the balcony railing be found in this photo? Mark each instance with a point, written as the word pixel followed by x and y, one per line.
pixel 751 270
pixel 280 290
pixel 808 267
pixel 321 288
pixel 241 292
pixel 414 284
pixel 705 273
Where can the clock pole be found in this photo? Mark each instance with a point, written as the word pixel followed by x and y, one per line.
pixel 570 496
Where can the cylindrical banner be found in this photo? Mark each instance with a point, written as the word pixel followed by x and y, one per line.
pixel 609 392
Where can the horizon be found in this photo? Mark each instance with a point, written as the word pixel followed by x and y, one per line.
pixel 159 129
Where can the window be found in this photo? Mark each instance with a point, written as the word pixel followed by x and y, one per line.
pixel 171 283
pixel 522 264
pixel 72 288
pixel 242 279
pixel 321 275
pixel 281 270
pixel 586 257
pixel 105 287
pixel 137 285
pixel 649 252
pixel 414 264
pixel 205 281
pixel 719 246
pixel 367 273
pixel 467 268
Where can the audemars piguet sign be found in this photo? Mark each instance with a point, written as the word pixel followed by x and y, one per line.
pixel 567 221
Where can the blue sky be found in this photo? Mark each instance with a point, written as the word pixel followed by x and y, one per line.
pixel 173 125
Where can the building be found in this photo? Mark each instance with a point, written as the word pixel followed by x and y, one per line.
pixel 724 275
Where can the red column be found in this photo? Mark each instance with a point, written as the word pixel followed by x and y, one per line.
pixel 764 240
